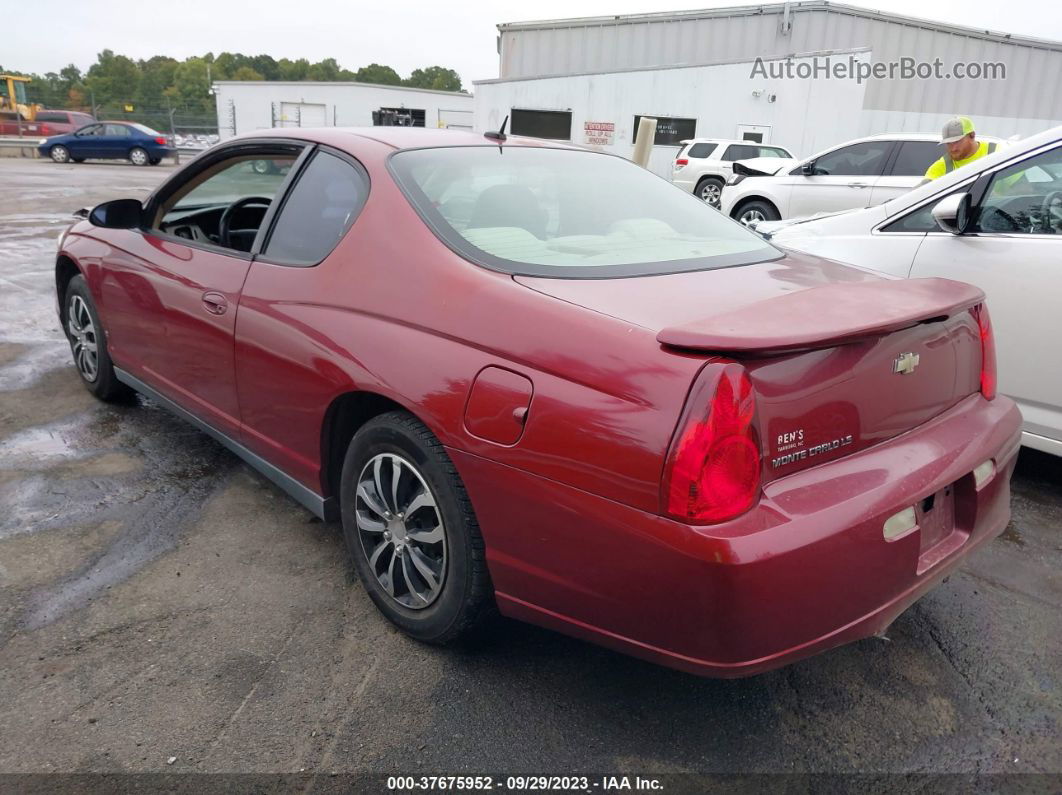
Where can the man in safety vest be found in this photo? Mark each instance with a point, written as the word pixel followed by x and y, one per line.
pixel 958 137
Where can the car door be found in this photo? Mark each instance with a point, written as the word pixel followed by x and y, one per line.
pixel 1014 254
pixel 841 179
pixel 116 141
pixel 281 327
pixel 906 169
pixel 86 142
pixel 170 291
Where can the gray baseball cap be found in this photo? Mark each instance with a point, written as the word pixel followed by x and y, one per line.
pixel 956 128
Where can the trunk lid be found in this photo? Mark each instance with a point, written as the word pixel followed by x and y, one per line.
pixel 840 359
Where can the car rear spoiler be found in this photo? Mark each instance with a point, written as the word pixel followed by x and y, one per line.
pixel 825 316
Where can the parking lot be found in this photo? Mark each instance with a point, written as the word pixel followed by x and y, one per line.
pixel 162 607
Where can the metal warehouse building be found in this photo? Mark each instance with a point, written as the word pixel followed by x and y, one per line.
pixel 591 77
pixel 244 106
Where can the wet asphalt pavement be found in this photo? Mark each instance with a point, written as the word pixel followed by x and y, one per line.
pixel 158 599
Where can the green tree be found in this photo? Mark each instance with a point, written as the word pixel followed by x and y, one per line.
pixel 293 70
pixel 378 73
pixel 113 78
pixel 156 75
pixel 266 66
pixel 246 73
pixel 437 78
pixel 324 71
pixel 191 87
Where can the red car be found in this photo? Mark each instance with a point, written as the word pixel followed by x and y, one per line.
pixel 537 377
pixel 47 122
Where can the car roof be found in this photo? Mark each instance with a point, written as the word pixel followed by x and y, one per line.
pixel 403 137
pixel 727 141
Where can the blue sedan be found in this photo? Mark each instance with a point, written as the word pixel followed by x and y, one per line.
pixel 109 140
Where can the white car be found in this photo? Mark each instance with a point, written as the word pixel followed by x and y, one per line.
pixel 995 223
pixel 859 173
pixel 703 165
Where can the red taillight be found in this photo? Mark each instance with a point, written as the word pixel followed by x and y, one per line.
pixel 46 130
pixel 988 351
pixel 713 470
pixel 160 141
pixel 681 161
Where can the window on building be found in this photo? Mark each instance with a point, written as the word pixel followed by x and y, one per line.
pixel 553 124
pixel 669 131
pixel 398 117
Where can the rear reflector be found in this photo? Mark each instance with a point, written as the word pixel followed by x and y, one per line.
pixel 984 473
pixel 713 470
pixel 900 524
pixel 988 351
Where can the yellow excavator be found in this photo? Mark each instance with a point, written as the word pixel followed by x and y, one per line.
pixel 13 97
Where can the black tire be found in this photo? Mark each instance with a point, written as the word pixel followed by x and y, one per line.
pixel 155 161
pixel 138 156
pixel 708 190
pixel 78 159
pixel 746 211
pixel 59 153
pixel 465 598
pixel 263 167
pixel 104 384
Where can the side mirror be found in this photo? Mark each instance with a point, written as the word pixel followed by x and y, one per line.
pixel 952 213
pixel 117 214
pixel 808 169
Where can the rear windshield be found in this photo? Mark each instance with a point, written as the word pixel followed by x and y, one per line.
pixel 568 213
pixel 146 130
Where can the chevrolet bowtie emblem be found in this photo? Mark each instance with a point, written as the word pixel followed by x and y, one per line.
pixel 905 363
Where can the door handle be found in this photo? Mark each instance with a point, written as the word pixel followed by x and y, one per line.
pixel 215 303
pixel 858 185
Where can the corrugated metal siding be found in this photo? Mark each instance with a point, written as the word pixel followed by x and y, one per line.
pixel 1032 89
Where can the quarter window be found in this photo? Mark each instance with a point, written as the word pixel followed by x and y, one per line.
pixel 117 130
pixel 317 213
pixel 858 160
pixel 701 150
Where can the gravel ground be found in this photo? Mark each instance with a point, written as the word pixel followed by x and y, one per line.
pixel 159 601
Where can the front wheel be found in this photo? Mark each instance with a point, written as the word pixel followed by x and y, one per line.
pixel 138 156
pixel 60 154
pixel 411 532
pixel 88 342
pixel 752 212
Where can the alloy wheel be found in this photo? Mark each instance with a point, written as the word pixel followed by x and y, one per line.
pixel 710 193
pixel 751 217
pixel 83 338
pixel 401 530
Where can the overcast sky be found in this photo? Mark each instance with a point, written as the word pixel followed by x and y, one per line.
pixel 459 34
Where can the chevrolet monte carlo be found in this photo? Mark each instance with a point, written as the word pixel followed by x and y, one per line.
pixel 537 379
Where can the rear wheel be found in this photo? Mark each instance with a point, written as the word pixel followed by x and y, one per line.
pixel 708 190
pixel 60 154
pixel 754 211
pixel 78 159
pixel 155 161
pixel 263 167
pixel 138 156
pixel 88 342
pixel 411 533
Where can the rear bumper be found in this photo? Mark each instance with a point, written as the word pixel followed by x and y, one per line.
pixel 806 570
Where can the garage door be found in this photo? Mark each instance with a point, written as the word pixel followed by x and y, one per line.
pixel 302 114
pixel 455 119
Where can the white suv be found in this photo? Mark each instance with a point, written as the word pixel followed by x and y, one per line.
pixel 856 174
pixel 703 165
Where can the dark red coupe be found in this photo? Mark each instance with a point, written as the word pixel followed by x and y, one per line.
pixel 537 377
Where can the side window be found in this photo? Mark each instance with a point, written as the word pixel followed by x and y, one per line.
pixel 317 213
pixel 92 129
pixel 225 203
pixel 701 150
pixel 1025 198
pixel 915 157
pixel 118 130
pixel 773 151
pixel 858 160
pixel 741 152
